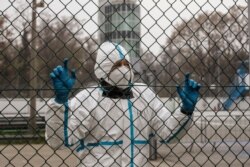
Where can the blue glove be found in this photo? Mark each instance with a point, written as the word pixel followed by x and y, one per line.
pixel 62 82
pixel 189 95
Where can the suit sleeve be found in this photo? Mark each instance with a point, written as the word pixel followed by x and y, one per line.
pixel 54 118
pixel 168 127
pixel 66 124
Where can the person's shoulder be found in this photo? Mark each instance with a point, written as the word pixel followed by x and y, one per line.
pixel 88 92
pixel 140 86
pixel 143 89
pixel 87 97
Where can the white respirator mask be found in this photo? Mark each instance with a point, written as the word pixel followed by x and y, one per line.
pixel 121 74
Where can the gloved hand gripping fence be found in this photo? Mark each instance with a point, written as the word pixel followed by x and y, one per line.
pixel 189 95
pixel 62 82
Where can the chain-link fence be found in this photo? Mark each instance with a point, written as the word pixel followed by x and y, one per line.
pixel 107 122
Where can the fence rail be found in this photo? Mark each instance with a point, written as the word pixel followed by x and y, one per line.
pixel 18 123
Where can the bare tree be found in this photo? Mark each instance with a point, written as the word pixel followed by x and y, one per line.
pixel 62 39
pixel 211 45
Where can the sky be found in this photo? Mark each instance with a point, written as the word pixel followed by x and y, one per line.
pixel 158 17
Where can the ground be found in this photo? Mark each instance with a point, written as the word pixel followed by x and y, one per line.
pixel 203 154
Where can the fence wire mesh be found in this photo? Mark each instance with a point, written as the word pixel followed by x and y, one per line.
pixel 164 40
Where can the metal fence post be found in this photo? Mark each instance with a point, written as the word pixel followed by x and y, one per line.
pixel 33 69
pixel 33 77
pixel 152 148
pixel 249 33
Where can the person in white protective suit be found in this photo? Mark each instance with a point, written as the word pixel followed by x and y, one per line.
pixel 111 125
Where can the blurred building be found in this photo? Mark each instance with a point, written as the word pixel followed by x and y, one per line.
pixel 119 22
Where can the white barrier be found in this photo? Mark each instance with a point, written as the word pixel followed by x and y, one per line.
pixel 21 107
pixel 209 104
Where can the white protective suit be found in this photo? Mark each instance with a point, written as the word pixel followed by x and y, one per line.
pixel 112 132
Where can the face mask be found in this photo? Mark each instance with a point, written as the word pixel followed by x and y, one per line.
pixel 121 74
